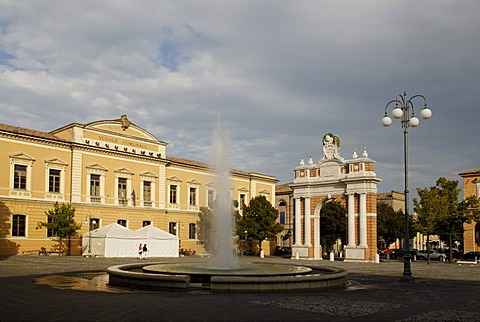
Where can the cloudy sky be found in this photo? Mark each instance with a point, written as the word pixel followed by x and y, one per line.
pixel 279 74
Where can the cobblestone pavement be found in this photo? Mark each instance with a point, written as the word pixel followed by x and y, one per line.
pixel 74 288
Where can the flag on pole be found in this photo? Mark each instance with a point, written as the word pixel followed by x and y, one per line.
pixel 133 197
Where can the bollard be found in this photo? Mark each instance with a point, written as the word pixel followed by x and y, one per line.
pixel 332 257
pixel 297 255
pixel 262 254
pixel 377 258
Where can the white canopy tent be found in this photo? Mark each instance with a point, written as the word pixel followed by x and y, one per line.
pixel 159 242
pixel 112 240
pixel 115 240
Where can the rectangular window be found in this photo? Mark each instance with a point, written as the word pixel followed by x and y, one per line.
pixel 193 196
pixel 192 231
pixel 173 193
pixel 146 223
pixel 95 188
pixel 50 231
pixel 20 177
pixel 54 181
pixel 147 194
pixel 242 201
pixel 18 225
pixel 122 222
pixel 282 217
pixel 210 198
pixel 122 191
pixel 172 228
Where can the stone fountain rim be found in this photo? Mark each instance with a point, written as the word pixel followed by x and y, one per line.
pixel 120 275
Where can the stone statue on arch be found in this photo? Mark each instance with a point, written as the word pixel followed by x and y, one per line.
pixel 331 147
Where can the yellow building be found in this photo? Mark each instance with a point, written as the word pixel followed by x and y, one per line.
pixel 110 171
pixel 471 187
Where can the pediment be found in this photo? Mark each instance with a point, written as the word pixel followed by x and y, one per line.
pixel 174 178
pixel 96 166
pixel 56 161
pixel 21 156
pixel 124 171
pixel 123 127
pixel 194 182
pixel 148 174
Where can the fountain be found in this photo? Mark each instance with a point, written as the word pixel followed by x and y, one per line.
pixel 223 223
pixel 223 271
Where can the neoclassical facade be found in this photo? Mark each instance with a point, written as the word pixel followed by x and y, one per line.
pixel 354 183
pixel 110 171
pixel 471 187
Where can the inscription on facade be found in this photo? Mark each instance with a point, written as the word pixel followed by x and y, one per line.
pixel 122 141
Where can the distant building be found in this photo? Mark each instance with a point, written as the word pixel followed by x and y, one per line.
pixel 109 171
pixel 471 187
pixel 394 199
pixel 284 205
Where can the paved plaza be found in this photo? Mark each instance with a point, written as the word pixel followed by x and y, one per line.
pixel 74 288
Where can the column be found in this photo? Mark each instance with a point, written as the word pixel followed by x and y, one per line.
pixel 298 227
pixel 362 227
pixel 307 223
pixel 351 219
pixel 316 237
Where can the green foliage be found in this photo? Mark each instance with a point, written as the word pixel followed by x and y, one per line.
pixel 440 212
pixel 259 219
pixel 332 223
pixel 390 224
pixel 61 220
pixel 428 209
pixel 455 213
pixel 204 224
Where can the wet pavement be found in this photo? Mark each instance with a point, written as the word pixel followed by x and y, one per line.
pixel 74 288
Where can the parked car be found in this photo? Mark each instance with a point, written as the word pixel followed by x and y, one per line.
pixel 283 251
pixel 434 254
pixel 386 252
pixel 470 256
pixel 456 254
pixel 400 252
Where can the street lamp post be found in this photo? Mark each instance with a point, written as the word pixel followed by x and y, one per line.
pixel 90 222
pixel 404 110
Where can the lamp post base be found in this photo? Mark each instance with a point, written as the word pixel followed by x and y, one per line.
pixel 407 276
pixel 407 279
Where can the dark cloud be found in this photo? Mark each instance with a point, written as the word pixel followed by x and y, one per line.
pixel 279 76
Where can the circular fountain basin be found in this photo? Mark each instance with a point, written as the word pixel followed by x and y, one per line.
pixel 204 273
pixel 251 277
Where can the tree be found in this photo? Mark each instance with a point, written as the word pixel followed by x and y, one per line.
pixel 205 233
pixel 428 209
pixel 440 211
pixel 61 221
pixel 332 223
pixel 454 213
pixel 390 223
pixel 259 219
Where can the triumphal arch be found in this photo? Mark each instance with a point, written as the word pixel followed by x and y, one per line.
pixel 354 183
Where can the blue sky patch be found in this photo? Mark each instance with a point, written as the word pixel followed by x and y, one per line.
pixel 170 55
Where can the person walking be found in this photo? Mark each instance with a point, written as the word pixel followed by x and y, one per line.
pixel 140 249
pixel 145 250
